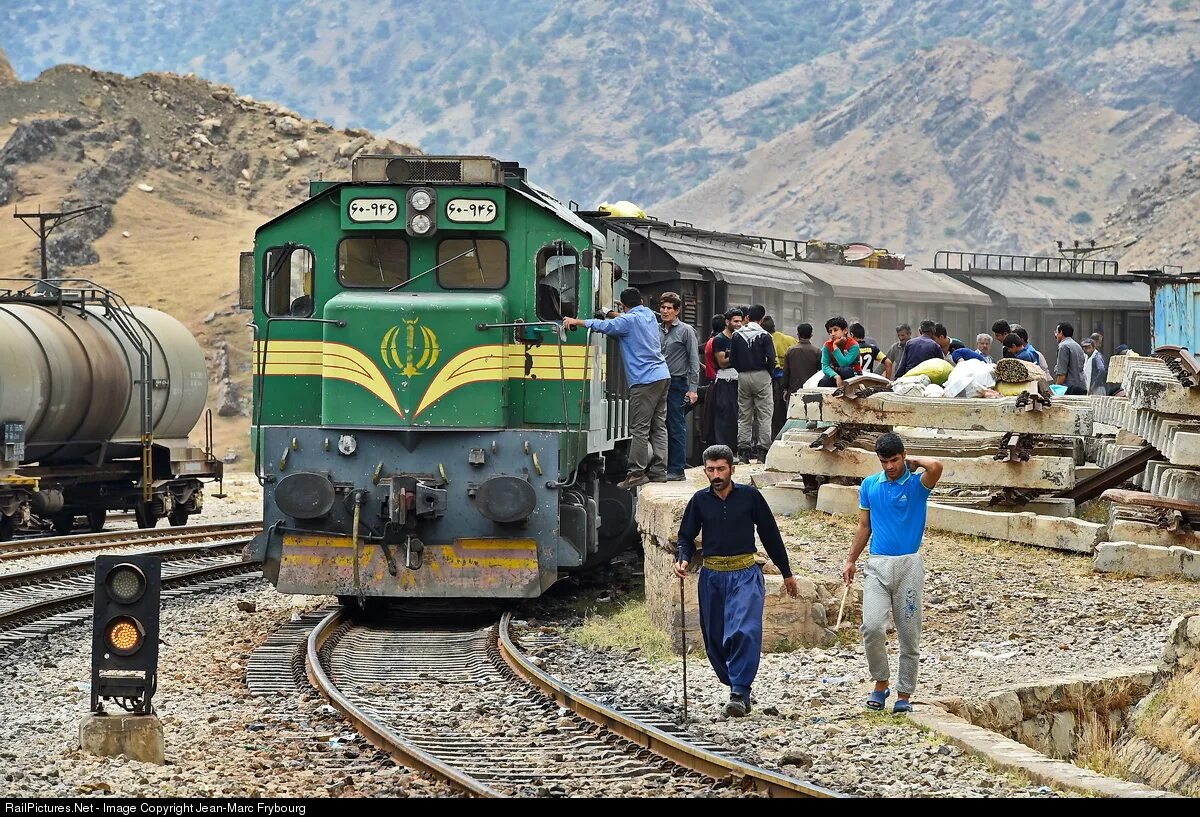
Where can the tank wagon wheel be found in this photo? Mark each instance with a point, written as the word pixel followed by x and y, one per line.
pixel 178 518
pixel 63 523
pixel 145 515
pixel 96 519
pixel 8 526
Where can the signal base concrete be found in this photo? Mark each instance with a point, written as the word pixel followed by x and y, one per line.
pixel 138 737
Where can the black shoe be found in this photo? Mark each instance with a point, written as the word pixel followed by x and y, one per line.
pixel 743 459
pixel 676 477
pixel 738 706
pixel 658 477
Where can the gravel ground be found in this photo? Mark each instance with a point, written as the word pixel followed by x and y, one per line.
pixel 994 614
pixel 220 741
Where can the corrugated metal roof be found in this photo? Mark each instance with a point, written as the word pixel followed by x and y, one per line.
pixel 1071 293
pixel 736 264
pixel 910 285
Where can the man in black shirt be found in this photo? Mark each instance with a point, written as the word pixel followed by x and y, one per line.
pixel 725 387
pixel 731 588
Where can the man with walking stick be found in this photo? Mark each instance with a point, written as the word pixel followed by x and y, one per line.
pixel 891 515
pixel 731 588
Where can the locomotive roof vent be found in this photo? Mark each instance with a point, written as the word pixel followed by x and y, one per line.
pixel 428 169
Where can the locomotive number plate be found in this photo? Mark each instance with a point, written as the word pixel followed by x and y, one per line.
pixel 361 210
pixel 471 211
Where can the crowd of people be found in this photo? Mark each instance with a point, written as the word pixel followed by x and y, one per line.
pixel 742 376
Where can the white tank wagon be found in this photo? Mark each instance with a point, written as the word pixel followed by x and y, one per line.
pixel 97 399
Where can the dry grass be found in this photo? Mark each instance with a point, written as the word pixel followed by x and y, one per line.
pixel 1171 715
pixel 1095 749
pixel 627 627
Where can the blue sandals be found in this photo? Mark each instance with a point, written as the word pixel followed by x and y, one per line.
pixel 877 699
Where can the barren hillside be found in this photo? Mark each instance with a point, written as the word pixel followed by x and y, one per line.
pixel 184 172
pixel 960 147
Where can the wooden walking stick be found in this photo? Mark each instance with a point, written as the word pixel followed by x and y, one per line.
pixel 683 647
pixel 842 609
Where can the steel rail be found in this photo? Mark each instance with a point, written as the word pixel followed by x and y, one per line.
pixel 21 616
pixel 83 567
pixel 78 543
pixel 379 734
pixel 639 736
pixel 664 744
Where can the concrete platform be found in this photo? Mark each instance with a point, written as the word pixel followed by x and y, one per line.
pixel 887 409
pixel 1070 534
pixel 793 454
pixel 806 621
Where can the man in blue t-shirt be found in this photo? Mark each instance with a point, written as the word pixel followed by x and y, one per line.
pixel 891 514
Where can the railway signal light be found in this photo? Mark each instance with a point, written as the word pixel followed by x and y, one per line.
pixel 125 631
pixel 421 215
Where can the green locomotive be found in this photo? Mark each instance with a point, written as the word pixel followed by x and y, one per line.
pixel 422 424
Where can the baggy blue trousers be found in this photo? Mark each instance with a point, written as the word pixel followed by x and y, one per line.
pixel 731 614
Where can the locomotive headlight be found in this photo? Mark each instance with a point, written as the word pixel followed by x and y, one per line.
pixel 421 224
pixel 421 200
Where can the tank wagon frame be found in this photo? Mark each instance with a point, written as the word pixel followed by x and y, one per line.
pixel 96 401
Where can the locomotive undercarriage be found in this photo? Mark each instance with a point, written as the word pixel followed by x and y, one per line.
pixel 432 513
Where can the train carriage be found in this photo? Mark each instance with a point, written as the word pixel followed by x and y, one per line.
pixel 422 424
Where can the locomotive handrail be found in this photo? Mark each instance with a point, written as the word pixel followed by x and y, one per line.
pixel 260 371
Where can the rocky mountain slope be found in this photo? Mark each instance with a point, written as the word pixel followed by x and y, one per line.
pixel 960 147
pixel 1162 219
pixel 183 172
pixel 587 93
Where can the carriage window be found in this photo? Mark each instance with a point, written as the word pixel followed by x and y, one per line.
pixel 289 279
pixel 373 262
pixel 557 282
pixel 472 263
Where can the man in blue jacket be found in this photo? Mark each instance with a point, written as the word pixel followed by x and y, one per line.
pixel 648 377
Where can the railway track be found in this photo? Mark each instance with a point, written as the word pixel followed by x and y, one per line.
pixel 37 602
pixel 465 703
pixel 85 542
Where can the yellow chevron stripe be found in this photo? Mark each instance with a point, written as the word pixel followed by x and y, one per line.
pixel 496 362
pixel 331 361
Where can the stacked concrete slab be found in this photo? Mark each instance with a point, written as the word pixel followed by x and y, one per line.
pixel 1159 409
pixel 965 434
pixel 967 453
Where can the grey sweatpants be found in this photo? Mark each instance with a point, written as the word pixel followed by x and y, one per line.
pixel 755 404
pixel 893 584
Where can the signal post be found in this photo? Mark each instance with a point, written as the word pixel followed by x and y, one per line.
pixel 125 660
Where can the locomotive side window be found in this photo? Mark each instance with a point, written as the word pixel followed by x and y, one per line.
pixel 472 263
pixel 289 274
pixel 372 262
pixel 557 282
